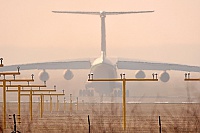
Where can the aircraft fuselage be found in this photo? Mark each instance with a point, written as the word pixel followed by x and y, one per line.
pixel 103 68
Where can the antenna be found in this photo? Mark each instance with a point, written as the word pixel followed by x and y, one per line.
pixel 102 15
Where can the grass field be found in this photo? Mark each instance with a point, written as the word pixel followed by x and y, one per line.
pixel 107 118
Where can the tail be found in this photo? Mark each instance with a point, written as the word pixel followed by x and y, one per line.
pixel 103 27
pixel 101 12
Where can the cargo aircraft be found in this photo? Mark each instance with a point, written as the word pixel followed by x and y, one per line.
pixel 102 67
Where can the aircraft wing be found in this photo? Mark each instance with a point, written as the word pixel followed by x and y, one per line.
pixel 142 65
pixel 71 64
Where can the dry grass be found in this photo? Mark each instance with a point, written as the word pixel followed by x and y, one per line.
pixel 108 118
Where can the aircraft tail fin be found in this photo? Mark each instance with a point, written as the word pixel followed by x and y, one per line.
pixel 102 16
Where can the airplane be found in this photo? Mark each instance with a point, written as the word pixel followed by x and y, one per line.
pixel 102 67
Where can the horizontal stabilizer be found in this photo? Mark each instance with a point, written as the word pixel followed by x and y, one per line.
pixel 77 12
pixel 99 13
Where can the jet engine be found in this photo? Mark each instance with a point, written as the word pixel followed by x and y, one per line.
pixel 68 75
pixel 43 75
pixel 140 74
pixel 164 76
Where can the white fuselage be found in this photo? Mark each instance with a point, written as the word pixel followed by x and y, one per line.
pixel 103 68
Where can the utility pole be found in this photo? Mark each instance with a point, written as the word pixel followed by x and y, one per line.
pixel 15 124
pixel 19 86
pixel 4 80
pixel 64 104
pixel 70 106
pixel 30 96
pixel 41 100
pixel 123 80
pixel 19 92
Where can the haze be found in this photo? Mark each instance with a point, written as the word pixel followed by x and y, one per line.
pixel 30 32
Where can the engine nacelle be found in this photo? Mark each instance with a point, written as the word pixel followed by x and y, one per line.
pixel 164 77
pixel 68 75
pixel 43 75
pixel 140 74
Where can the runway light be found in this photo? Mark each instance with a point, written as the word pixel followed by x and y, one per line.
pixel 153 75
pixel 92 75
pixel 185 75
pixel 1 59
pixel 121 76
pixel 124 75
pixel 18 69
pixel 88 76
pixel 156 75
pixel 32 75
pixel 188 75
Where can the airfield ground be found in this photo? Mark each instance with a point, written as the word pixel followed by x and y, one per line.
pixel 106 118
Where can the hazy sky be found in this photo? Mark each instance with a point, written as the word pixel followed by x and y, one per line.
pixel 30 32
